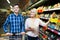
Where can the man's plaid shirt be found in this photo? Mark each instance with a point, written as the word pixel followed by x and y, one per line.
pixel 15 23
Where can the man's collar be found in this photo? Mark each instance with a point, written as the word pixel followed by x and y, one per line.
pixel 16 14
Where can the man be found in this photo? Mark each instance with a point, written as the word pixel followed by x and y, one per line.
pixel 15 22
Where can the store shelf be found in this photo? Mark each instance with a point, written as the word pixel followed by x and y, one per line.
pixel 54 31
pixel 44 18
pixel 43 3
pixel 33 5
pixel 43 34
pixel 52 9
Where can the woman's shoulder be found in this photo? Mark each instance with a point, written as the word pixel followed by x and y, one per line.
pixel 28 19
pixel 37 18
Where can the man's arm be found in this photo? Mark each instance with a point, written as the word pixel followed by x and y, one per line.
pixel 5 25
pixel 22 24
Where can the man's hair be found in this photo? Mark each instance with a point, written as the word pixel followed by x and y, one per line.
pixel 15 5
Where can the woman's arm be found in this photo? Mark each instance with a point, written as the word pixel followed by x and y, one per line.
pixel 43 23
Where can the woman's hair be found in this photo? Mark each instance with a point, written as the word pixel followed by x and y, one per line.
pixel 34 10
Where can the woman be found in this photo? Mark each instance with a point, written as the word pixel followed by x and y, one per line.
pixel 32 25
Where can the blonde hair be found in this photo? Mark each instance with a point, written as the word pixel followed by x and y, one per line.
pixel 34 10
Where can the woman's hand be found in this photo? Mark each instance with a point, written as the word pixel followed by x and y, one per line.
pixel 32 29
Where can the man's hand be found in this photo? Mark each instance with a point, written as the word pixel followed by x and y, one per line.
pixel 23 33
pixel 9 34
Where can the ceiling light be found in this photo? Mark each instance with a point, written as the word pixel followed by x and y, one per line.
pixel 8 1
pixel 11 6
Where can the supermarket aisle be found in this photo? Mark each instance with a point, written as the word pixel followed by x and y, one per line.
pixel 48 10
